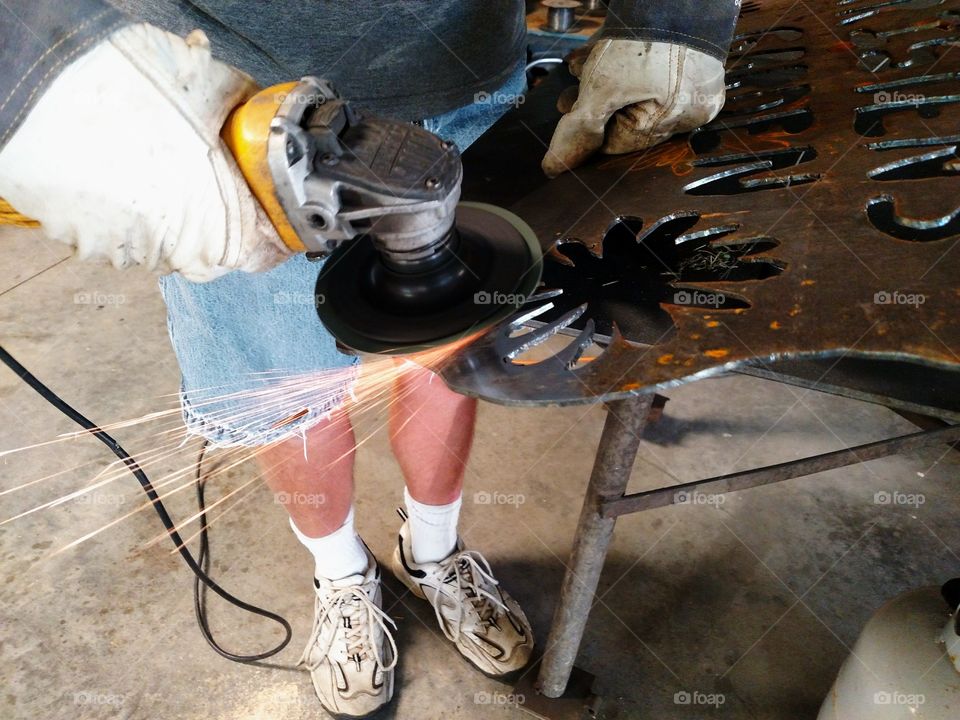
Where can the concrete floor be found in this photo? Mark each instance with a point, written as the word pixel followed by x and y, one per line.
pixel 756 599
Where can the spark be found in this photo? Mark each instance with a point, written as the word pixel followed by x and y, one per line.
pixel 271 399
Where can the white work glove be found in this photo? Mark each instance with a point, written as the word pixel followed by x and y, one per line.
pixel 633 95
pixel 122 158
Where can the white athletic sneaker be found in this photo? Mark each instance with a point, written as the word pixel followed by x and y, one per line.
pixel 351 653
pixel 484 622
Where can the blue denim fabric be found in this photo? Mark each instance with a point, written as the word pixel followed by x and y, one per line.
pixel 238 337
pixel 257 366
pixel 464 125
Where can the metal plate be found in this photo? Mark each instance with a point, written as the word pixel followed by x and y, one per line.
pixel 817 216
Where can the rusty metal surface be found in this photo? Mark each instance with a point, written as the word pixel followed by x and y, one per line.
pixel 817 216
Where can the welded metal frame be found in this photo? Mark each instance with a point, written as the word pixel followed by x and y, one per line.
pixel 618 448
pixel 605 500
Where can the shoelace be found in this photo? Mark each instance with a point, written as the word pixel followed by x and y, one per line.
pixel 473 576
pixel 358 635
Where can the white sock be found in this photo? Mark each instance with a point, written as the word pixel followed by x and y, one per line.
pixel 337 555
pixel 433 528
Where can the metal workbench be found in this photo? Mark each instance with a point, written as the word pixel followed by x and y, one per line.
pixel 805 236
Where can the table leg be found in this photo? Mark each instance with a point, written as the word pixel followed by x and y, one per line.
pixel 611 472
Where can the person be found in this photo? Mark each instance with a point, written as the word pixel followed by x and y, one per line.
pixel 110 114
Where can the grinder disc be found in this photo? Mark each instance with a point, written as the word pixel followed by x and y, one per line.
pixel 372 307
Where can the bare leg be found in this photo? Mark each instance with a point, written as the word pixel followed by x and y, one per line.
pixel 317 490
pixel 431 431
pixel 346 580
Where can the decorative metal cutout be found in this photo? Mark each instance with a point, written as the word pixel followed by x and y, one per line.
pixel 938 163
pixel 662 265
pixel 884 216
pixel 760 101
pixel 739 180
pixel 869 120
pixel 822 205
pixel 868 39
pixel 855 11
pixel 790 121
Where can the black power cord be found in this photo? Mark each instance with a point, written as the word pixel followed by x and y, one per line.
pixel 199 566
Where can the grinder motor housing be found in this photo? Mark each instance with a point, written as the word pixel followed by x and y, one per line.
pixel 420 270
pixel 327 173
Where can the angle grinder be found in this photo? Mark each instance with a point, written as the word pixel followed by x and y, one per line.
pixel 407 265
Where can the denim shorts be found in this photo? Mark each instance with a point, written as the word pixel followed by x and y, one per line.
pixel 257 366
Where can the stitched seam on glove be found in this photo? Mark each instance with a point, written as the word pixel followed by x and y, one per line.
pixel 227 186
pixel 601 49
pixel 607 44
pixel 672 94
